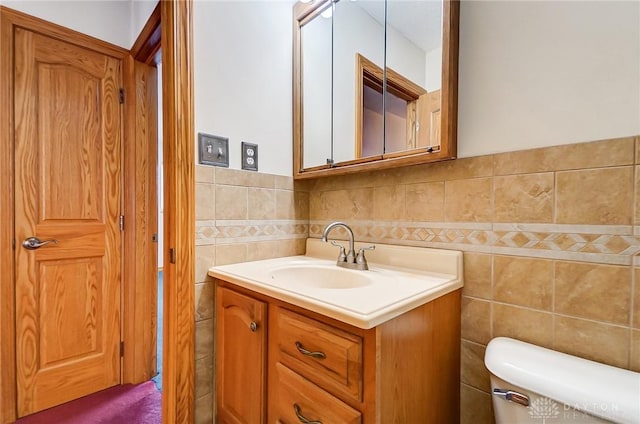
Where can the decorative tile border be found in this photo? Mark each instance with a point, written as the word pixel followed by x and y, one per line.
pixel 610 244
pixel 244 231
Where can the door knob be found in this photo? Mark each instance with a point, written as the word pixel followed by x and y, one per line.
pixel 33 243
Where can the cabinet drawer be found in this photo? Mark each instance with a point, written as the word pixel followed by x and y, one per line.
pixel 329 357
pixel 296 399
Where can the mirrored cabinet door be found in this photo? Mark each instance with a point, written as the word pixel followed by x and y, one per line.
pixel 375 84
pixel 413 75
pixel 316 37
pixel 358 30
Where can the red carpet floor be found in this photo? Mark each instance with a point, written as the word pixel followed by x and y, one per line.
pixel 127 404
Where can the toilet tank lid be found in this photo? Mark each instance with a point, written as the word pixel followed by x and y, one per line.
pixel 601 390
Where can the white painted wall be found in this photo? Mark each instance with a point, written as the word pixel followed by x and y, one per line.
pixel 140 12
pixel 107 20
pixel 243 77
pixel 404 57
pixel 433 69
pixel 545 73
pixel 116 21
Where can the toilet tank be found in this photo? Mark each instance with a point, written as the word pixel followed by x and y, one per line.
pixel 560 387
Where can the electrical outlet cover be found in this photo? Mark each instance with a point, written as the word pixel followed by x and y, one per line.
pixel 214 150
pixel 249 156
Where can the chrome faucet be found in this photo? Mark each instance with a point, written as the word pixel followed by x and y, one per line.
pixel 347 260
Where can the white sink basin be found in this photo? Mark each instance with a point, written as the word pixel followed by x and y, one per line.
pixel 321 277
pixel 399 279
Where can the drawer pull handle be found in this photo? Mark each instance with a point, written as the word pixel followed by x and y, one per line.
pixel 301 417
pixel 253 326
pixel 305 352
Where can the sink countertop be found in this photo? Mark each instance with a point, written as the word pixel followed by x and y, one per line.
pixel 399 279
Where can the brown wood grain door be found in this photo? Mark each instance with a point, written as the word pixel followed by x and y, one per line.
pixel 68 188
pixel 241 358
pixel 429 106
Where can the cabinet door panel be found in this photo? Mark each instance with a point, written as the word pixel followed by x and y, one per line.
pixel 295 399
pixel 241 358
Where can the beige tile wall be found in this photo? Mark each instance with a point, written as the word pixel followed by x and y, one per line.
pixel 549 238
pixel 240 216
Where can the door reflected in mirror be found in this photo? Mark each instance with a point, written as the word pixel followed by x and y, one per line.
pixel 392 73
pixel 411 118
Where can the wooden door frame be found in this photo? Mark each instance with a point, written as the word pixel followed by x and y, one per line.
pixel 7 288
pixel 140 270
pixel 179 222
pixel 178 373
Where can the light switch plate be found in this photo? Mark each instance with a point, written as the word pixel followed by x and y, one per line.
pixel 249 156
pixel 213 150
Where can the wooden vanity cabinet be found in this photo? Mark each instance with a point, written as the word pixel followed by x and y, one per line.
pixel 406 370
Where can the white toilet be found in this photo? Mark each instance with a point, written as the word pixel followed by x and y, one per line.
pixel 531 384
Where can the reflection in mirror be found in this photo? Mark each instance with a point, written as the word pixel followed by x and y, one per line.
pixel 316 85
pixel 356 33
pixel 414 52
pixel 413 78
pixel 369 122
pixel 401 103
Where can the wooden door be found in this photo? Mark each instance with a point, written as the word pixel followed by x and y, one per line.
pixel 429 106
pixel 240 358
pixel 67 188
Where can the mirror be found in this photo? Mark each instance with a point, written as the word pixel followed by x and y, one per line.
pixel 316 84
pixel 356 33
pixel 375 84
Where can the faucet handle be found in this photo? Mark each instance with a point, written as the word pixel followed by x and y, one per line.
pixel 342 256
pixel 362 249
pixel 360 259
